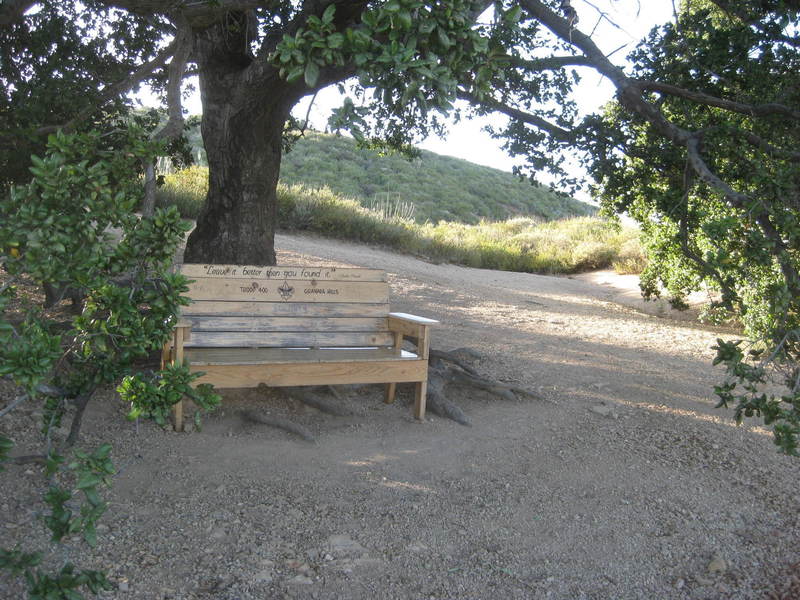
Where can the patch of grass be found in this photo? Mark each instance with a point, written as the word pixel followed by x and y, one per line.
pixel 523 244
pixel 631 259
pixel 185 189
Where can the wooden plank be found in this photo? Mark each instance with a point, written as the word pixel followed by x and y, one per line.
pixel 288 291
pixel 257 356
pixel 331 373
pixel 288 339
pixel 285 309
pixel 279 273
pixel 217 323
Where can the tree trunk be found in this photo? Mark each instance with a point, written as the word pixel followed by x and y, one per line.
pixel 243 120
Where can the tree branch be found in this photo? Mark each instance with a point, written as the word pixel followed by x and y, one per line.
pixel 755 110
pixel 115 90
pixel 13 10
pixel 745 204
pixel 764 145
pixel 550 63
pixel 560 134
pixel 177 66
pixel 174 125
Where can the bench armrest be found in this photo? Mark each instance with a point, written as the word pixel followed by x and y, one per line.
pixel 402 325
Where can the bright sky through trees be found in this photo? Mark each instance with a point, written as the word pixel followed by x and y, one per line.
pixel 624 24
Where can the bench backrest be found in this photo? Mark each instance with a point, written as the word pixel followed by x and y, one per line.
pixel 287 307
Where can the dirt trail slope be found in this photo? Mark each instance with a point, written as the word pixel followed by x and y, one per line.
pixel 623 482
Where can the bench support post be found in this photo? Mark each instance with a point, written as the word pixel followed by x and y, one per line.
pixel 391 388
pixel 173 353
pixel 421 388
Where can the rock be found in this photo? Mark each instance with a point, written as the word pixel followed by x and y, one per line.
pixel 218 534
pixel 717 565
pixel 601 410
pixel 367 562
pixel 294 564
pixel 416 547
pixel 264 576
pixel 301 580
pixel 123 586
pixel 344 545
pixel 679 583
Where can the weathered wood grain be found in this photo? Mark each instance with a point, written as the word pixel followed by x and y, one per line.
pixel 286 309
pixel 288 339
pixel 280 273
pixel 258 356
pixel 236 323
pixel 289 291
pixel 324 373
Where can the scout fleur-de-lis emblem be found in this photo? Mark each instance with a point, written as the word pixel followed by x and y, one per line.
pixel 286 290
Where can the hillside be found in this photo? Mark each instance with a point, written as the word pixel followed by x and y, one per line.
pixel 440 187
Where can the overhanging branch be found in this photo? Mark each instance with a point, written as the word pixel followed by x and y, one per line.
pixel 558 133
pixel 745 204
pixel 550 63
pixel 755 110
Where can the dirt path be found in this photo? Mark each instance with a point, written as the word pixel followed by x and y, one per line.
pixel 623 482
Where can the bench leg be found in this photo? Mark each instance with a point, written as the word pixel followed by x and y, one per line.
pixel 391 388
pixel 177 416
pixel 420 392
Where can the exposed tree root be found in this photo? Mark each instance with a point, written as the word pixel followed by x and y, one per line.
pixel 446 368
pixel 453 368
pixel 39 459
pixel 279 422
pixel 437 402
pixel 308 395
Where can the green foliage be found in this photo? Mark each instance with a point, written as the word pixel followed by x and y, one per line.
pixel 739 238
pixel 749 373
pixel 88 471
pixel 50 65
pixel 409 57
pixel 81 478
pixel 73 225
pixel 153 397
pixel 63 586
pixel 28 353
pixel 440 188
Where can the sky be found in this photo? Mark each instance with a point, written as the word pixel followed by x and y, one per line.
pixel 632 20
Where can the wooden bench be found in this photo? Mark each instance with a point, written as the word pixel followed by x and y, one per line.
pixel 294 326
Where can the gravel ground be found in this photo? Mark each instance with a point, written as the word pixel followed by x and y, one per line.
pixel 622 482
